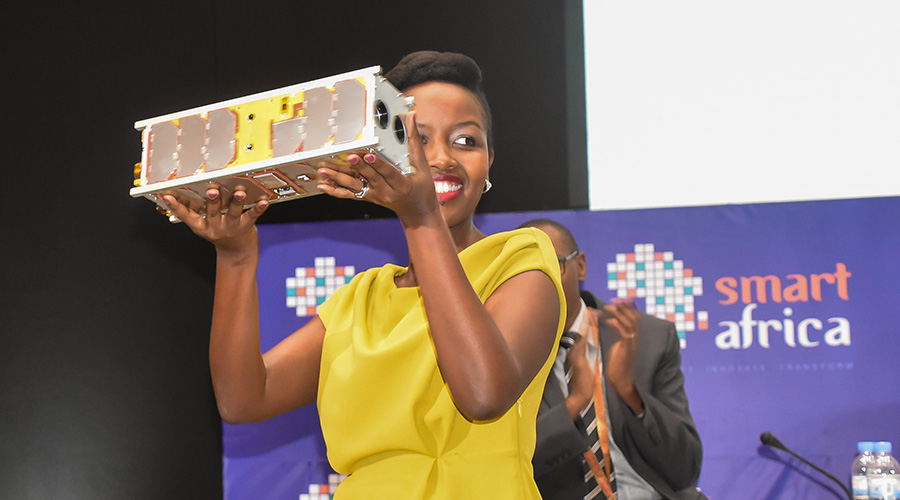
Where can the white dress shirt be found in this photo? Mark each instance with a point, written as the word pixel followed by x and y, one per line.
pixel 629 484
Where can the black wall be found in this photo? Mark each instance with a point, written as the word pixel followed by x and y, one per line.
pixel 104 316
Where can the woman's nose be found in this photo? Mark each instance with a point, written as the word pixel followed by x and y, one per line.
pixel 439 156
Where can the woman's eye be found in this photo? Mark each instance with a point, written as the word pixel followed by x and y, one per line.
pixel 465 140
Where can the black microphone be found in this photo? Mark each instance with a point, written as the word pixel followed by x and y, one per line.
pixel 769 440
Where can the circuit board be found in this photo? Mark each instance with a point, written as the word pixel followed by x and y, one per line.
pixel 269 143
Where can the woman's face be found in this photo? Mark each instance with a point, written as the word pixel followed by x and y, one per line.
pixel 451 123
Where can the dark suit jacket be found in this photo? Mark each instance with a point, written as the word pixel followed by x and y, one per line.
pixel 663 447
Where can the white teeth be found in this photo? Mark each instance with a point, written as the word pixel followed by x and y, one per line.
pixel 446 187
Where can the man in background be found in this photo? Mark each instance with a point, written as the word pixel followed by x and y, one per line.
pixel 641 442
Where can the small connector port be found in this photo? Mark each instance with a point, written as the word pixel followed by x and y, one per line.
pixel 284 191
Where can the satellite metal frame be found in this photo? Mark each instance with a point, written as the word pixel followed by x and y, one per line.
pixel 270 142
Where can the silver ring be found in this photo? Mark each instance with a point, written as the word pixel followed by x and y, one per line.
pixel 365 189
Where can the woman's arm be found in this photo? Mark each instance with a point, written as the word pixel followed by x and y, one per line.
pixel 487 353
pixel 249 387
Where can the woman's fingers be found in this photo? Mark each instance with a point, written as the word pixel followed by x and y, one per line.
pixel 182 212
pixel 188 209
pixel 253 214
pixel 380 172
pixel 213 201
pixel 368 176
pixel 236 204
pixel 343 183
pixel 417 157
pixel 360 173
pixel 219 215
pixel 229 210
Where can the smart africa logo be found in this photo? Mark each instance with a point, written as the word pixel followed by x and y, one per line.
pixel 311 286
pixel 813 292
pixel 668 287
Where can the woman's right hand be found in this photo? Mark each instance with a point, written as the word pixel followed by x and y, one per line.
pixel 221 219
pixel 408 196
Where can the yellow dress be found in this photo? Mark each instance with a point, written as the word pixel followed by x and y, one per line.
pixel 386 412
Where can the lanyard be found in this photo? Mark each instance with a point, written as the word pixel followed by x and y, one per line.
pixel 601 476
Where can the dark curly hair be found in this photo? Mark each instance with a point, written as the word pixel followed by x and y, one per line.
pixel 428 66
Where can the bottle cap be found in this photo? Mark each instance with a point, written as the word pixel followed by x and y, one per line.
pixel 864 446
pixel 883 447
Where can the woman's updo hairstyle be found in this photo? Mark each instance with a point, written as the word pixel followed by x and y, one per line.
pixel 429 66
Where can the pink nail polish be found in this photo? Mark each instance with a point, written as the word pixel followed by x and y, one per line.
pixel 212 195
pixel 353 160
pixel 369 158
pixel 239 196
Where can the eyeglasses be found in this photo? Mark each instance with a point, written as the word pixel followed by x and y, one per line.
pixel 567 258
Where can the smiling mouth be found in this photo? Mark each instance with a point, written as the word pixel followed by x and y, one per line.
pixel 447 189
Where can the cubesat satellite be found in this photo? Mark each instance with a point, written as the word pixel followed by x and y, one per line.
pixel 270 142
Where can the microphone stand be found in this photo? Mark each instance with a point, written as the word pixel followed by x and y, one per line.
pixel 771 441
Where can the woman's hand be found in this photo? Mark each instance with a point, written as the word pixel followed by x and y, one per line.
pixel 221 218
pixel 369 177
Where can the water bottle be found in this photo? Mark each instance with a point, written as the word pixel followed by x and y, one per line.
pixel 860 466
pixel 883 475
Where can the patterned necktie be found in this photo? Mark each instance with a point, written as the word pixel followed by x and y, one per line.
pixel 599 479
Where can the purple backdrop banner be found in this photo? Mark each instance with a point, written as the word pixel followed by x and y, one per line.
pixel 787 312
